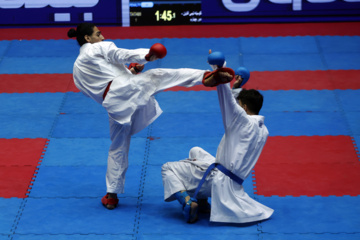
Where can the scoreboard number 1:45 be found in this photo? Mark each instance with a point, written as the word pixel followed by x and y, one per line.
pixel 166 15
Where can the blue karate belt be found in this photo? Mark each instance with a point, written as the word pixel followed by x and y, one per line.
pixel 222 169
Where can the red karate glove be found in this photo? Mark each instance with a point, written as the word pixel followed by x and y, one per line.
pixel 157 50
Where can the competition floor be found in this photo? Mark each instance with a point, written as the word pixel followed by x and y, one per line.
pixel 54 141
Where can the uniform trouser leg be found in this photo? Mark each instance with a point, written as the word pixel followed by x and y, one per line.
pixel 118 157
pixel 135 92
pixel 183 175
pixel 163 78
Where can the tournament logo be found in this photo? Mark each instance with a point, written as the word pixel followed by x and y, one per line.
pixel 52 3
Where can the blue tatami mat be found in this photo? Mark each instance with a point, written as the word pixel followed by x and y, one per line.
pixel 169 220
pixel 79 103
pixel 342 61
pixel 349 99
pixel 81 181
pixel 197 50
pixel 191 101
pixel 339 44
pixel 136 43
pixel 76 216
pixel 4 45
pixel 279 45
pixel 258 54
pixel 35 125
pixel 82 125
pixel 31 65
pixel 73 237
pixel 353 119
pixel 190 61
pixel 196 46
pixel 283 62
pixel 35 48
pixel 76 152
pixel 357 143
pixel 312 101
pixel 200 235
pixel 306 123
pixel 312 214
pixel 9 211
pixel 310 236
pixel 31 103
pixel 192 124
pixel 88 151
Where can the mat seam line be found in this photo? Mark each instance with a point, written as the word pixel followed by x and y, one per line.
pixel 320 52
pixel 356 148
pixel 142 185
pixel 6 51
pixel 24 201
pixel 255 197
pixel 343 112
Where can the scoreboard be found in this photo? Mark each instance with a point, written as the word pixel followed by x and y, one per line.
pixel 173 12
pixel 164 12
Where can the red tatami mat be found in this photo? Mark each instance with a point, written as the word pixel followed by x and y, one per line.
pixel 307 179
pixel 19 160
pixel 297 80
pixel 275 80
pixel 41 83
pixel 21 152
pixel 305 80
pixel 308 149
pixel 195 31
pixel 311 165
pixel 15 181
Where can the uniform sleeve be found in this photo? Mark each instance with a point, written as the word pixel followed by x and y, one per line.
pixel 230 109
pixel 117 55
pixel 235 92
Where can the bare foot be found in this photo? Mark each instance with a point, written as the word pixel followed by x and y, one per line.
pixel 111 202
pixel 217 78
pixel 224 77
pixel 193 210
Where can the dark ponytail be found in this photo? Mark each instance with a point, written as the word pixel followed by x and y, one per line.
pixel 80 32
pixel 72 33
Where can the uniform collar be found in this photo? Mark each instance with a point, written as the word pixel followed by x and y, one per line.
pixel 84 46
pixel 259 118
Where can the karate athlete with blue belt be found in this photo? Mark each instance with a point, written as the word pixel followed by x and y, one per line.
pixel 100 72
pixel 193 180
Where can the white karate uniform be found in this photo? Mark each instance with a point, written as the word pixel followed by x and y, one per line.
pixel 239 149
pixel 130 101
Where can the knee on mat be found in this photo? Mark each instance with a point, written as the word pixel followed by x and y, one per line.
pixel 165 167
pixel 194 151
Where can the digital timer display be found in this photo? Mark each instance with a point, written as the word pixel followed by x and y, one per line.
pixel 165 13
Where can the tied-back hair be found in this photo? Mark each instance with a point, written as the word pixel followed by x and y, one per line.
pixel 80 32
pixel 252 98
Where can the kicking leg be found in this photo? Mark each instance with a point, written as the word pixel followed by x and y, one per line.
pixel 163 78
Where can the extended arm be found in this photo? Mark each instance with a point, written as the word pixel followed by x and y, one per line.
pixel 119 55
pixel 230 109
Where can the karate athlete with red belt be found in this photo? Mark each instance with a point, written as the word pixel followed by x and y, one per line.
pixel 100 72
